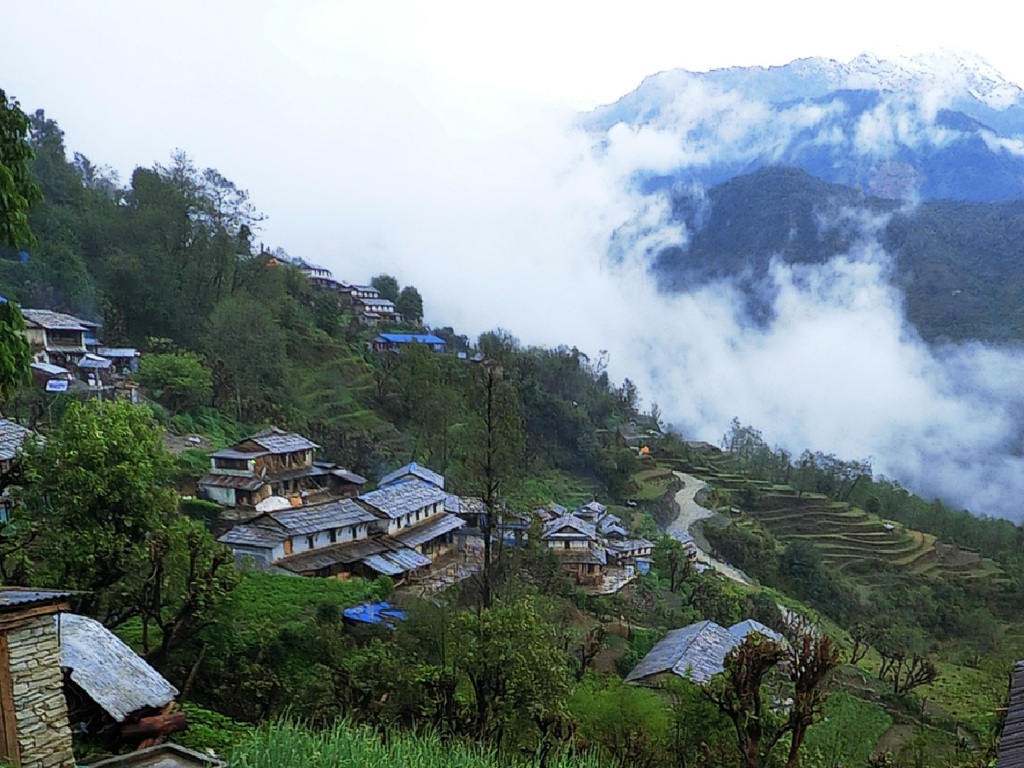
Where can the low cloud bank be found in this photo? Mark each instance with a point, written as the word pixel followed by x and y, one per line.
pixel 520 220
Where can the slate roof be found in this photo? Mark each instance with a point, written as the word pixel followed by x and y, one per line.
pixel 697 652
pixel 581 527
pixel 593 508
pixel 109 672
pixel 377 303
pixel 16 598
pixel 1011 743
pixel 12 436
pixel 55 321
pixel 416 470
pixel 751 626
pixel 160 756
pixel 631 545
pixel 428 530
pixel 322 517
pixel 347 552
pixel 276 440
pixel 596 556
pixel 272 528
pixel 403 497
pixel 348 476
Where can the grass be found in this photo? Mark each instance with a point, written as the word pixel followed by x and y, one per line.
pixel 288 745
pixel 849 733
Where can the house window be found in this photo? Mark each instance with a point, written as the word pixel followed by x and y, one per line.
pixel 565 545
pixel 309 541
pixel 334 535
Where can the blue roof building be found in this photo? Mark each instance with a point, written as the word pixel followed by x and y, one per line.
pixel 375 613
pixel 394 341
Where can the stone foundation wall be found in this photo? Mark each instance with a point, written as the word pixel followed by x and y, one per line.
pixel 44 736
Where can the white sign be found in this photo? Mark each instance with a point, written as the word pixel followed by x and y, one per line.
pixel 57 385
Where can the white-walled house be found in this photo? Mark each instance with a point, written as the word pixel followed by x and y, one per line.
pixel 578 546
pixel 413 512
pixel 273 536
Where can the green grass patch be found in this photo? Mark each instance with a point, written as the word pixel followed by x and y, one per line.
pixel 849 733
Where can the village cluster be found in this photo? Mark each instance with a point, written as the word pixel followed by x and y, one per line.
pixel 298 515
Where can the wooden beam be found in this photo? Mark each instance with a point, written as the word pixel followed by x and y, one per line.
pixel 15 618
pixel 9 747
pixel 155 725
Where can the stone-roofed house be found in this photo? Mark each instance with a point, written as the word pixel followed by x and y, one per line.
pixel 272 462
pixel 108 687
pixel 592 511
pixel 34 729
pixel 696 652
pixel 414 510
pixel 413 470
pixel 578 547
pixel 54 337
pixel 273 536
pixel 12 437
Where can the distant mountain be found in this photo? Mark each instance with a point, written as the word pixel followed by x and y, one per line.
pixel 959 264
pixel 930 127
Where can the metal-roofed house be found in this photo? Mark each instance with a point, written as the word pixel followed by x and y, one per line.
pixel 274 536
pixel 386 342
pixel 107 683
pixel 272 462
pixel 696 652
pixel 579 549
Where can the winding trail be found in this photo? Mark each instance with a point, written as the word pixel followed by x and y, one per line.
pixel 689 513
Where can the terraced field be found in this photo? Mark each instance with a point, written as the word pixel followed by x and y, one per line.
pixel 851 539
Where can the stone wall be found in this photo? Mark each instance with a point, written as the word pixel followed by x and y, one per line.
pixel 44 737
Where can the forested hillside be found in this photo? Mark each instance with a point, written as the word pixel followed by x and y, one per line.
pixel 958 263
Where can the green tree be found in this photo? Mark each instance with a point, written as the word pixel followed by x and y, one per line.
pixel 95 492
pixel 410 304
pixel 18 192
pixel 179 381
pixel 15 354
pixel 387 286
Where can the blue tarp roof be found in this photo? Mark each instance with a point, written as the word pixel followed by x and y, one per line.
pixel 375 613
pixel 405 338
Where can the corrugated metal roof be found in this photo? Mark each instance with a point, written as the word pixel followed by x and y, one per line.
pixel 697 652
pixel 278 441
pixel 108 670
pixel 403 497
pixel 12 436
pixel 406 338
pixel 1011 743
pixel 118 352
pixel 239 482
pixel 57 321
pixel 94 361
pixel 415 470
pixel 347 476
pixel 15 598
pixel 428 530
pixel 375 613
pixel 399 561
pixel 51 370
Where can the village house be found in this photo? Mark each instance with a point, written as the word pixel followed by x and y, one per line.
pixel 54 337
pixel 578 547
pixel 319 276
pixel 394 342
pixel 696 652
pixel 635 552
pixel 375 311
pixel 273 462
pixel 12 437
pixel 414 514
pixel 412 470
pixel 273 536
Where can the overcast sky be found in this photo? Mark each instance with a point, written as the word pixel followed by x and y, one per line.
pixel 434 141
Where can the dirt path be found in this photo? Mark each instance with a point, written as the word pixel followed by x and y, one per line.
pixel 689 513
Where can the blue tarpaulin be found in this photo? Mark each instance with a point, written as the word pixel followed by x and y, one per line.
pixel 375 613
